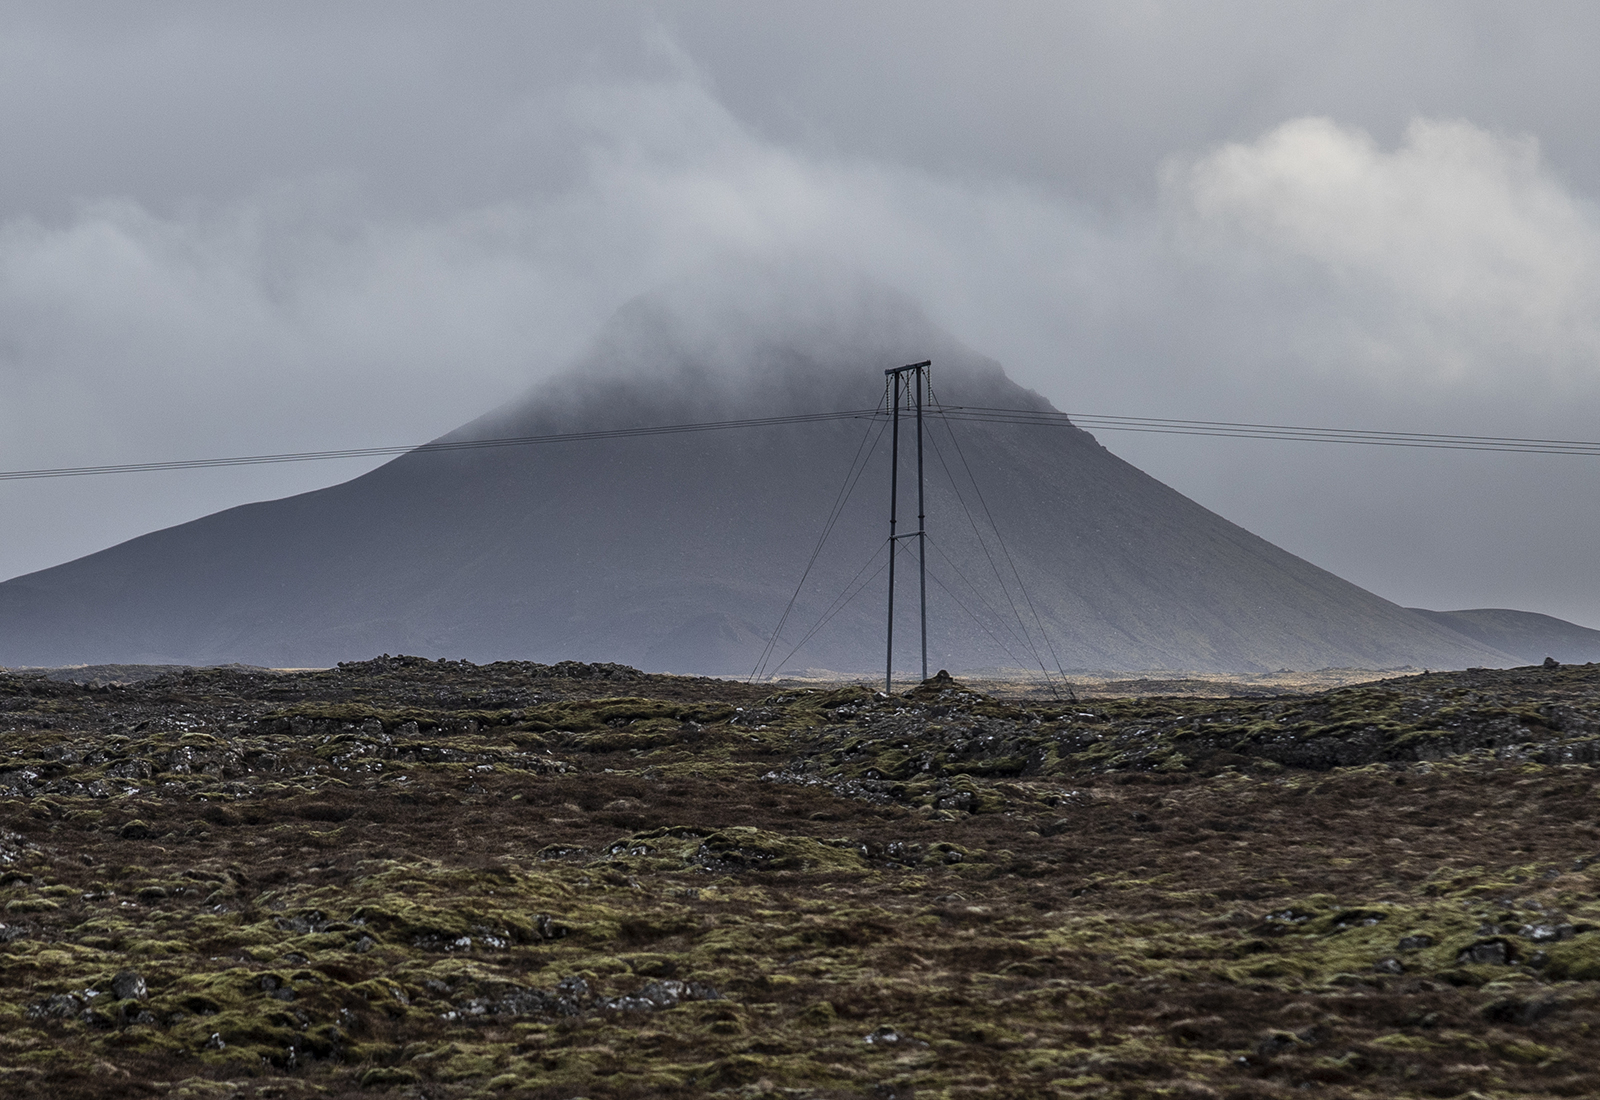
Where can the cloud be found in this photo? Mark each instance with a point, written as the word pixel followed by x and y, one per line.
pixel 1313 274
pixel 1447 283
pixel 307 313
pixel 291 320
pixel 1455 259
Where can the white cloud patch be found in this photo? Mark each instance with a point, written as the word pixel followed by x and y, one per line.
pixel 258 312
pixel 1456 258
pixel 303 316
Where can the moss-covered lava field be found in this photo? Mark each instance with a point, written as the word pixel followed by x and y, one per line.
pixel 431 879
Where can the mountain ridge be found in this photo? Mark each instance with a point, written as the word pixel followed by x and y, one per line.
pixel 679 552
pixel 1526 635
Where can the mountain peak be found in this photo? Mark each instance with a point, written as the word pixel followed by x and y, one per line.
pixel 749 340
pixel 680 552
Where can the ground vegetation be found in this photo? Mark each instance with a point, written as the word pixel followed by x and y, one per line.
pixel 433 879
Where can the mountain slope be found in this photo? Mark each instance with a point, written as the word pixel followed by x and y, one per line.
pixel 1526 635
pixel 679 552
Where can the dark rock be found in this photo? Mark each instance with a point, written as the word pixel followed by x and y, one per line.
pixel 1275 923
pixel 1551 662
pixel 883 1035
pixel 1275 1044
pixel 135 830
pixel 129 985
pixel 1357 918
pixel 276 989
pixel 302 924
pixel 1489 952
pixel 1514 1010
pixel 59 1006
pixel 570 998
pixel 1414 942
pixel 656 995
pixel 1546 933
pixel 1389 966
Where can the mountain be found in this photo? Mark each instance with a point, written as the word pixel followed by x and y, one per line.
pixel 679 552
pixel 1526 635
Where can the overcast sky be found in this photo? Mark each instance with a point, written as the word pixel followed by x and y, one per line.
pixel 231 229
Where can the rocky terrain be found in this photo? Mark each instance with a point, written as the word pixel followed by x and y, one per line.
pixel 433 879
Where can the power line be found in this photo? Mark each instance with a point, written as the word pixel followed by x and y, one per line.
pixel 999 538
pixel 1291 432
pixel 1018 661
pixel 841 601
pixel 976 414
pixel 448 445
pixel 851 478
pixel 1024 639
pixel 985 603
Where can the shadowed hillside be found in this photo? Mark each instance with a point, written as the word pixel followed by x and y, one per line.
pixel 1526 635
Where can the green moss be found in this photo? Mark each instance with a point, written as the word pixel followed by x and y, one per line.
pixel 387 1077
pixel 1029 959
pixel 254 1033
pixel 22 906
pixel 1527 1051
pixel 736 850
pixel 1575 960
pixel 459 1061
pixel 1400 1041
pixel 156 947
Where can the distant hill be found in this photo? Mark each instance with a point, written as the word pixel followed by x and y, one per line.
pixel 679 552
pixel 1526 635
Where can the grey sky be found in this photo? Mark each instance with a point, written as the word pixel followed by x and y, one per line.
pixel 230 229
